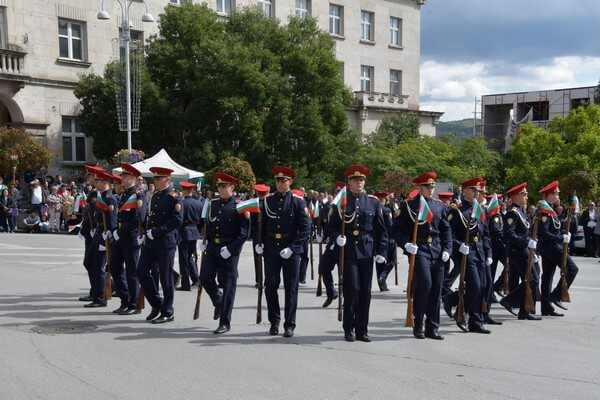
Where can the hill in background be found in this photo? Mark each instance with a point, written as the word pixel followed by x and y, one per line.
pixel 464 127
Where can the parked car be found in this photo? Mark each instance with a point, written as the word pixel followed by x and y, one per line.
pixel 579 241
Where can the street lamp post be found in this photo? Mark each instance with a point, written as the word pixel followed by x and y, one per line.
pixel 14 158
pixel 126 26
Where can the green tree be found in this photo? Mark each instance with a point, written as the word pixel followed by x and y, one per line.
pixel 584 183
pixel 396 129
pixel 240 169
pixel 33 155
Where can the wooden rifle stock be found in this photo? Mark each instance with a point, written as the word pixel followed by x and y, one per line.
pixel 460 310
pixel 107 283
pixel 410 316
pixel 505 285
pixel 204 229
pixel 396 266
pixel 528 304
pixel 320 284
pixel 260 273
pixel 564 287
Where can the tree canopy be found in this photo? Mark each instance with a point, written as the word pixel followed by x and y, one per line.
pixel 32 154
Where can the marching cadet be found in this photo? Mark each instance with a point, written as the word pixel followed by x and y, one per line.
pixel 157 256
pixel 285 228
pixel 305 256
pixel 226 234
pixel 88 226
pixel 552 235
pixel 518 242
pixel 359 228
pixel 496 227
pixel 105 221
pixel 188 232
pixel 478 253
pixel 126 249
pixel 383 269
pixel 432 249
pixel 262 191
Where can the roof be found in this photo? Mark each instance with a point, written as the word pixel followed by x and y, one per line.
pixel 162 159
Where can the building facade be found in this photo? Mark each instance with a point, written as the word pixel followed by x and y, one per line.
pixel 45 45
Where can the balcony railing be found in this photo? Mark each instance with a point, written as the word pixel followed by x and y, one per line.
pixel 12 62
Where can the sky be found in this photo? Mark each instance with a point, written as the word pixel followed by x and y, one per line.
pixel 471 48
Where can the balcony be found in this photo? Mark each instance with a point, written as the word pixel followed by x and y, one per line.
pixel 381 100
pixel 12 62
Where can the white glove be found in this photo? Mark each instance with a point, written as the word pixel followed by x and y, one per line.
pixel 380 259
pixel 411 248
pixel 259 249
pixel 115 235
pixel 532 244
pixel 202 246
pixel 567 238
pixel 332 246
pixel 445 256
pixel 101 248
pixel 319 238
pixel 141 239
pixel 286 253
pixel 464 249
pixel 80 236
pixel 341 240
pixel 106 235
pixel 149 234
pixel 488 261
pixel 225 253
pixel 535 258
pixel 92 232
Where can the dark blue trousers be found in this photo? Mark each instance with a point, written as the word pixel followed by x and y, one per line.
pixel 328 261
pixel 384 269
pixel 358 277
pixel 157 260
pixel 475 281
pixel 123 262
pixel 304 260
pixel 187 264
pixel 214 268
pixel 550 262
pixel 516 297
pixel 88 260
pixel 427 289
pixel 97 273
pixel 274 265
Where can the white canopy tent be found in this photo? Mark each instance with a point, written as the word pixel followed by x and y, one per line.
pixel 162 159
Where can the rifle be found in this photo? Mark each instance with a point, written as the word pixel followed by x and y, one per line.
pixel 410 316
pixel 505 288
pixel 460 310
pixel 564 287
pixel 528 305
pixel 107 284
pixel 396 266
pixel 140 305
pixel 260 272
pixel 341 268
pixel 312 261
pixel 320 284
pixel 204 229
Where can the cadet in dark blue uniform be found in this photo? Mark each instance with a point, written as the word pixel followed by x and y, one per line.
pixel 262 191
pixel 285 228
pixel 126 242
pixel 496 229
pixel 363 237
pixel 305 255
pixel 518 242
pixel 188 231
pixel 432 249
pixel 87 226
pixel 227 232
pixel 105 210
pixel 478 253
pixel 384 269
pixel 551 236
pixel 163 219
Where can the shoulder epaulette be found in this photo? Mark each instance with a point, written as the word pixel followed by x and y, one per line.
pixel 174 194
pixel 373 197
pixel 438 200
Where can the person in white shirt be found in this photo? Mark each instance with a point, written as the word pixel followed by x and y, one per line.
pixel 37 197
pixel 589 222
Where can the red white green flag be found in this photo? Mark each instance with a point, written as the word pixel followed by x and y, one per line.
pixel 494 206
pixel 477 212
pixel 425 213
pixel 100 203
pixel 314 209
pixel 575 204
pixel 250 206
pixel 546 208
pixel 341 198
pixel 130 204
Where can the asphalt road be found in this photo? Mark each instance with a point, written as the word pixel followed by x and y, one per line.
pixel 124 357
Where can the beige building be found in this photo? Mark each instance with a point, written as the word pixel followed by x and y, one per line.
pixel 46 44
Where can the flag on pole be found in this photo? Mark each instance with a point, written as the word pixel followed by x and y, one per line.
pixel 477 212
pixel 546 208
pixel 80 202
pixel 206 209
pixel 250 206
pixel 130 204
pixel 314 209
pixel 425 213
pixel 494 206
pixel 341 199
pixel 575 204
pixel 101 204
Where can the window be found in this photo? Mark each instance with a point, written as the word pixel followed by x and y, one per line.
pixel 366 78
pixel 178 2
pixel 267 7
pixel 395 31
pixel 366 25
pixel 395 82
pixel 70 40
pixel 224 6
pixel 74 141
pixel 3 30
pixel 336 20
pixel 302 8
pixel 135 36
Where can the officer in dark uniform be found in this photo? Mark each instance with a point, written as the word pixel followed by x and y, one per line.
pixel 188 232
pixel 550 246
pixel 432 249
pixel 262 191
pixel 105 219
pixel 518 242
pixel 477 251
pixel 363 235
pixel 227 232
pixel 384 269
pixel 496 228
pixel 163 218
pixel 305 255
pixel 126 241
pixel 88 225
pixel 285 228
pixel 446 198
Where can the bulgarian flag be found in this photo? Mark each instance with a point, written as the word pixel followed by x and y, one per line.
pixel 575 204
pixel 341 198
pixel 546 209
pixel 494 206
pixel 206 209
pixel 130 204
pixel 425 213
pixel 314 209
pixel 250 206
pixel 101 204
pixel 80 202
pixel 477 212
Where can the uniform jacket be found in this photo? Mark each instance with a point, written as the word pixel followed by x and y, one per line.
pixel 226 227
pixel 192 211
pixel 285 223
pixel 163 218
pixel 479 239
pixel 129 221
pixel 110 215
pixel 550 237
pixel 516 231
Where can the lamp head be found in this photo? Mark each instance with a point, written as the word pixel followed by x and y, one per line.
pixel 147 17
pixel 103 14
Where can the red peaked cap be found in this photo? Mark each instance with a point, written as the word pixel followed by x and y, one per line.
pixel 224 178
pixel 413 194
pixel 279 171
pixel 474 183
pixel 516 189
pixel 381 195
pixel 339 185
pixel 260 188
pixel 160 172
pixel 445 195
pixel 489 197
pixel 92 169
pixel 130 169
pixel 298 192
pixel 104 176
pixel 425 179
pixel 356 170
pixel 550 188
pixel 116 178
pixel 187 185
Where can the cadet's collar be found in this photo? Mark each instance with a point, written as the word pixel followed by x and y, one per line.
pixel 284 193
pixel 226 200
pixel 467 202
